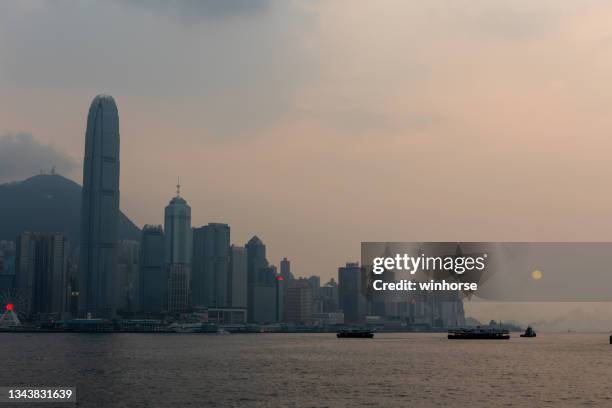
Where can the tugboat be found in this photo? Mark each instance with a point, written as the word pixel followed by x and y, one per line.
pixel 478 334
pixel 529 332
pixel 355 334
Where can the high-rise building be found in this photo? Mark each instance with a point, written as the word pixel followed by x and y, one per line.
pixel 315 286
pixel 7 265
pixel 285 269
pixel 211 263
pixel 262 287
pixel 41 273
pixel 281 287
pixel 153 274
pixel 178 233
pixel 178 249
pixel 298 302
pixel 178 288
pixel 100 208
pixel 350 295
pixel 127 280
pixel 238 277
pixel 329 297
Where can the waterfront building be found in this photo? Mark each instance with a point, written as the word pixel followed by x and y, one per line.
pixel 100 208
pixel 238 277
pixel 262 305
pixel 7 265
pixel 127 279
pixel 298 302
pixel 178 288
pixel 153 275
pixel 351 298
pixel 211 265
pixel 41 273
pixel 329 297
pixel 178 251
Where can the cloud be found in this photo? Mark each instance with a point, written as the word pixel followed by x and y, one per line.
pixel 21 156
pixel 212 61
pixel 191 10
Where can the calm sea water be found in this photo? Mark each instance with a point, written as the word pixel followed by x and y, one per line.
pixel 142 370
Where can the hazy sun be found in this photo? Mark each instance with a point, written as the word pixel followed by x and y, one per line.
pixel 536 275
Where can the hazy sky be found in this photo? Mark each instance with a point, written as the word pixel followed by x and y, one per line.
pixel 318 124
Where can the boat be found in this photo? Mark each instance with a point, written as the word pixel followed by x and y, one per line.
pixel 355 334
pixel 478 334
pixel 529 332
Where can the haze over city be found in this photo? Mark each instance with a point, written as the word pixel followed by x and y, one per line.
pixel 317 126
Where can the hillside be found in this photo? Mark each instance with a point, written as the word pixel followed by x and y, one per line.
pixel 48 203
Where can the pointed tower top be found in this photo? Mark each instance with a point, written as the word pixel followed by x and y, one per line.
pixel 178 186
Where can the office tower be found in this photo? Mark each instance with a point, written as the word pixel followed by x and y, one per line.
pixel 350 295
pixel 281 287
pixel 211 263
pixel 24 269
pixel 178 288
pixel 285 269
pixel 315 285
pixel 178 249
pixel 238 277
pixel 100 208
pixel 127 280
pixel 298 302
pixel 7 265
pixel 329 297
pixel 41 272
pixel 177 227
pixel 153 275
pixel 261 284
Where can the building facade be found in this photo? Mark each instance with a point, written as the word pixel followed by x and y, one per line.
pixel 351 298
pixel 211 265
pixel 238 277
pixel 298 302
pixel 100 208
pixel 178 242
pixel 41 273
pixel 153 274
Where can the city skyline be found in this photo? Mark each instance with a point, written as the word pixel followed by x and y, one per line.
pixel 429 124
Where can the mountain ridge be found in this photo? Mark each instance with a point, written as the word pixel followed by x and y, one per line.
pixel 48 203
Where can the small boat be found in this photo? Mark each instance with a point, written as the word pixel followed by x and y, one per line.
pixel 478 334
pixel 355 334
pixel 529 332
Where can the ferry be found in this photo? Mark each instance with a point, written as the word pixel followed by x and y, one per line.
pixel 478 334
pixel 355 334
pixel 529 332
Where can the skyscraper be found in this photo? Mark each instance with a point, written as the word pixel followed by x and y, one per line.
pixel 127 278
pixel 351 298
pixel 41 275
pixel 153 275
pixel 178 249
pixel 100 208
pixel 262 286
pixel 210 269
pixel 285 269
pixel 238 277
pixel 298 302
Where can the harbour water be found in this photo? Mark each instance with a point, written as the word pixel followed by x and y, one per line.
pixel 416 369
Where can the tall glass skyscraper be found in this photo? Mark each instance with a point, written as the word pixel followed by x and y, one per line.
pixel 178 249
pixel 100 208
pixel 211 260
pixel 177 226
pixel 153 276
